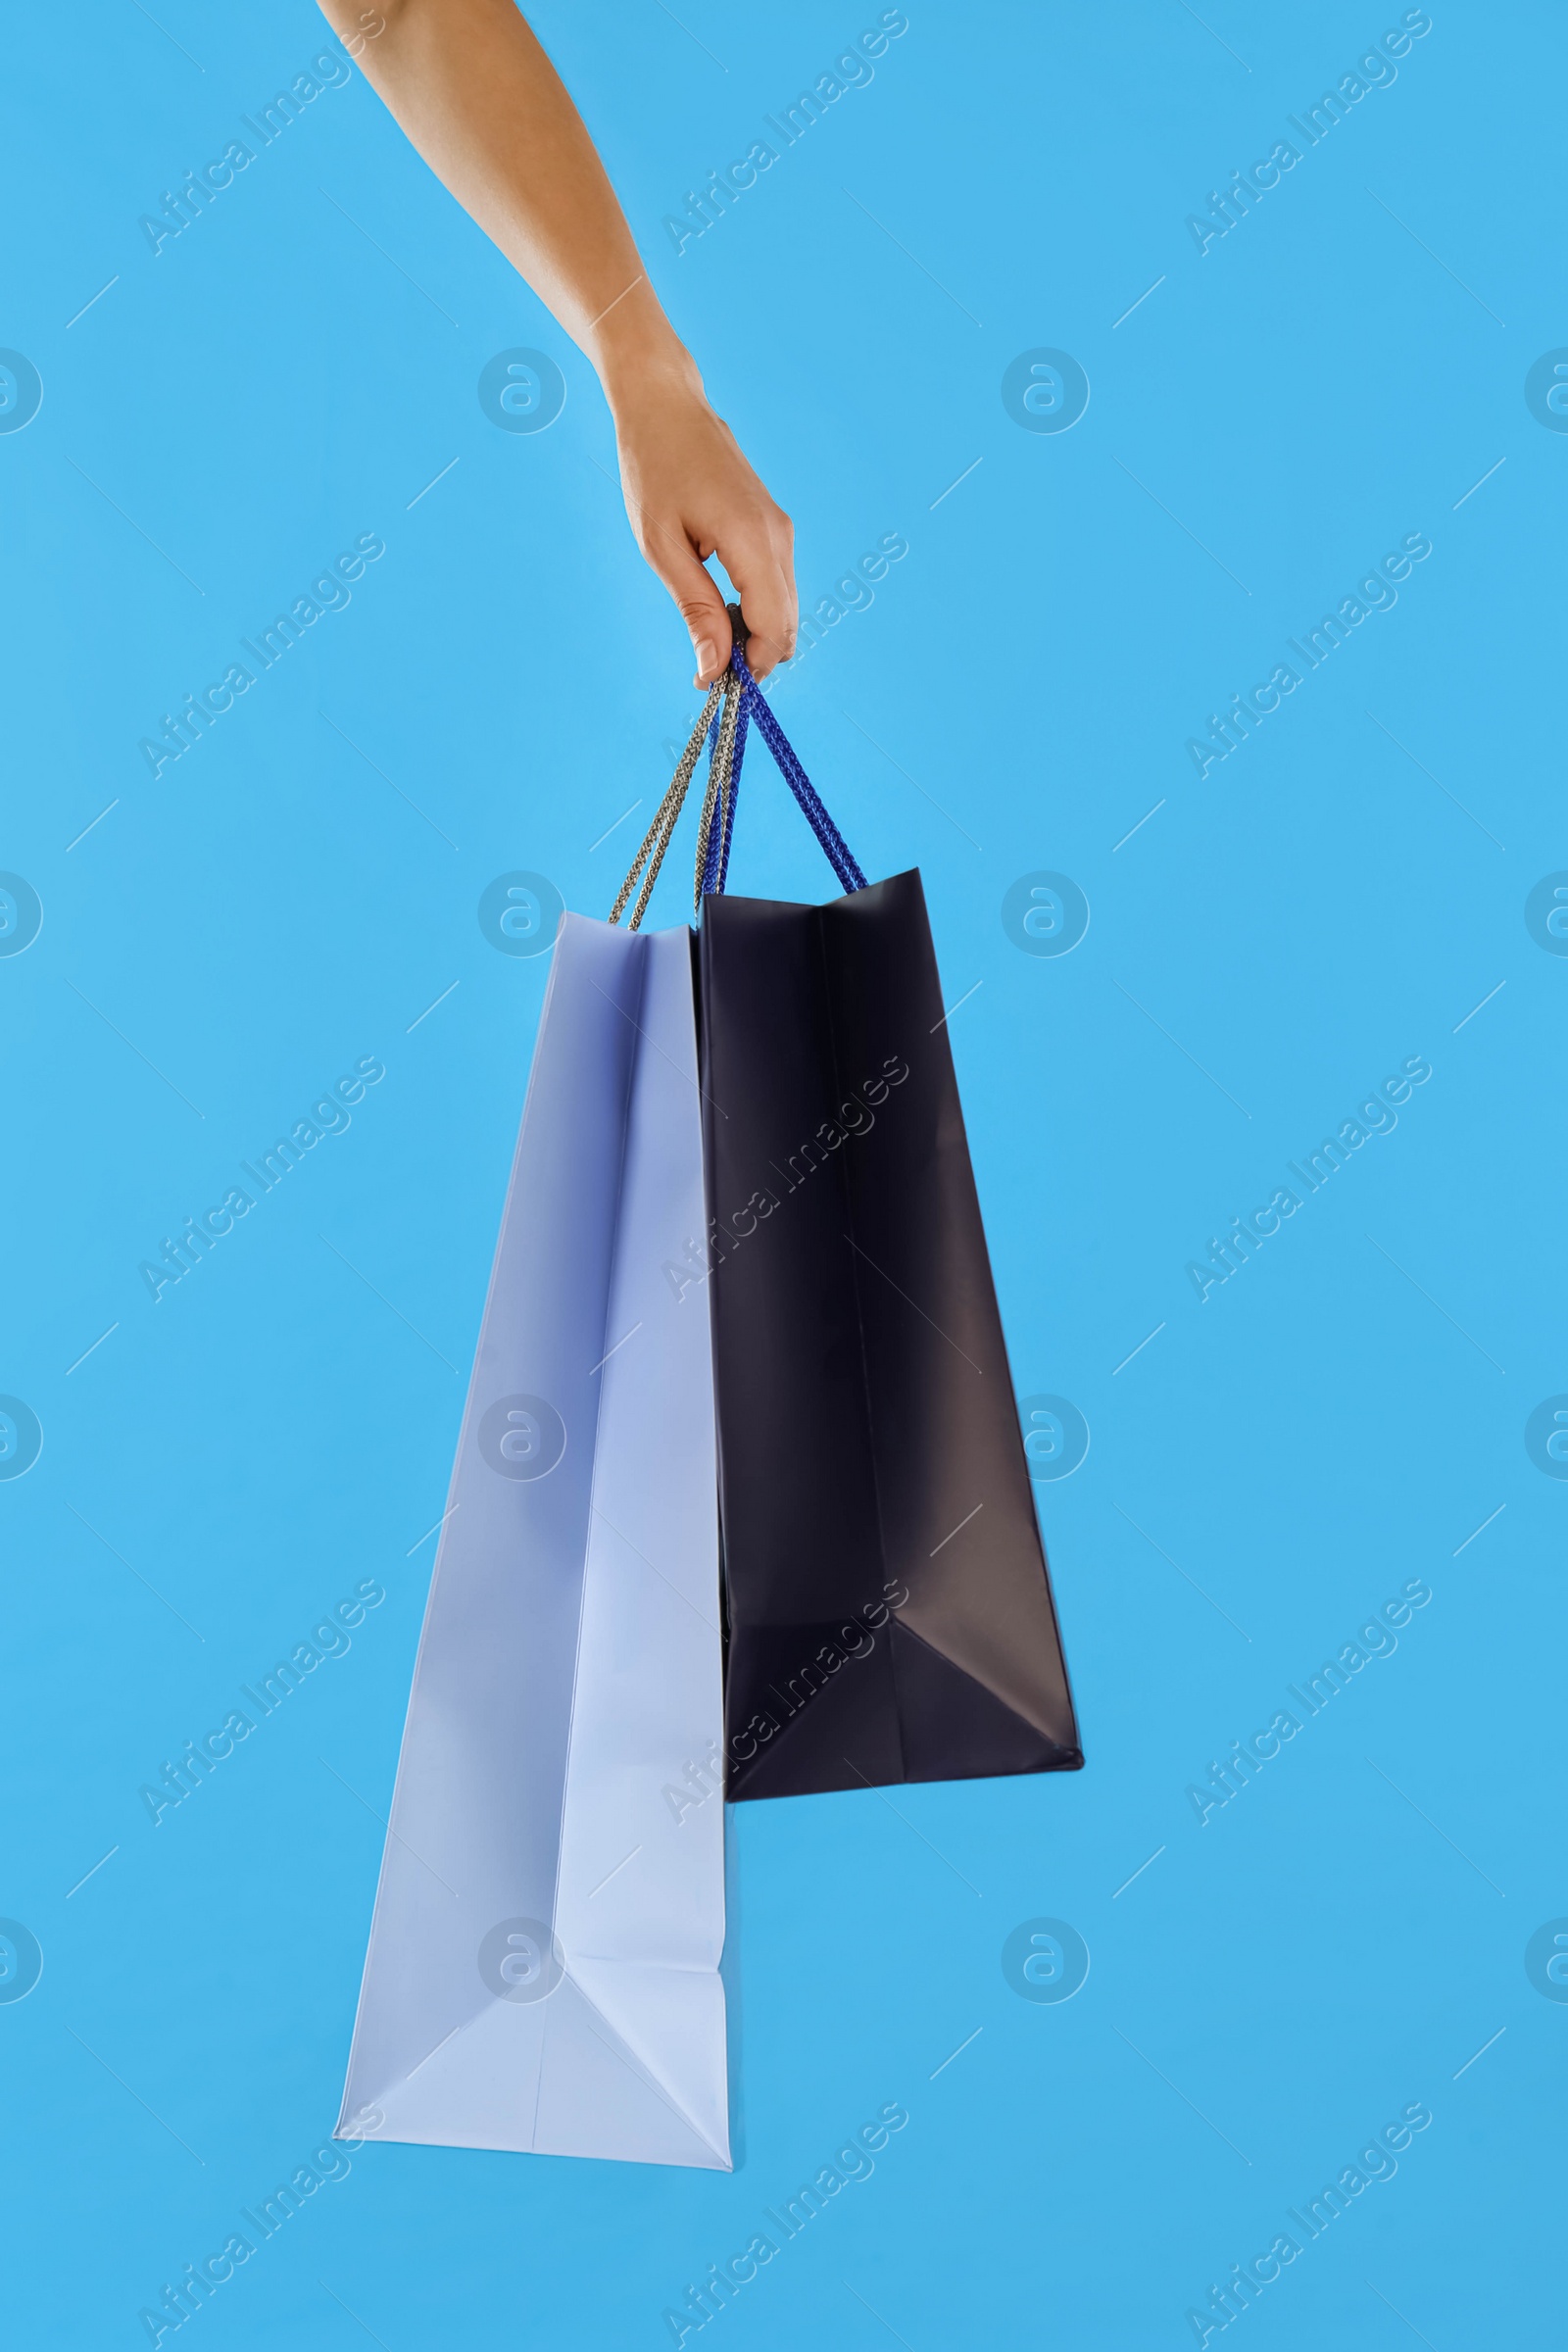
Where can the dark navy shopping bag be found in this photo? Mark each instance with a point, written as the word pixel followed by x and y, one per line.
pixel 889 1614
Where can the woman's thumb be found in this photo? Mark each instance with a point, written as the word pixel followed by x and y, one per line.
pixel 701 608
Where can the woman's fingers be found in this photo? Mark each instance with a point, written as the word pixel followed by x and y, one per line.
pixel 696 593
pixel 690 494
pixel 759 557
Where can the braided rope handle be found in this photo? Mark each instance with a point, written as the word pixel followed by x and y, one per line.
pixel 720 880
pixel 719 802
pixel 733 701
pixel 655 841
pixel 839 855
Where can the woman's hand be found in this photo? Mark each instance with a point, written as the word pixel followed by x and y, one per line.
pixel 690 494
pixel 484 105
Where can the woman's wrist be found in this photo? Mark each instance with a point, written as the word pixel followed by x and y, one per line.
pixel 639 352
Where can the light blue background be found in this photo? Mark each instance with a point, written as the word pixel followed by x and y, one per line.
pixel 1277 413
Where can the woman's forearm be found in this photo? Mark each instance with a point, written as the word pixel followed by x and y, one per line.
pixel 471 85
pixel 479 99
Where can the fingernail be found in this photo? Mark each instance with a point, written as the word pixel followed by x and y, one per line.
pixel 707 660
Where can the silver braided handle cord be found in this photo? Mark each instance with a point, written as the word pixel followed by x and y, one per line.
pixel 655 841
pixel 716 802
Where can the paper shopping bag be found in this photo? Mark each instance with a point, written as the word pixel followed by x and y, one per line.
pixel 543 1963
pixel 888 1611
pixel 890 1616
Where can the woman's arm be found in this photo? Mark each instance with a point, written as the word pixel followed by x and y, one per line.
pixel 482 103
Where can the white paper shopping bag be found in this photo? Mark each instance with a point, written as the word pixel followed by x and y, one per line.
pixel 543 1964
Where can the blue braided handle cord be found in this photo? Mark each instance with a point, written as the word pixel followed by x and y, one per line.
pixel 713 753
pixel 755 706
pixel 716 800
pixel 799 783
pixel 716 865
